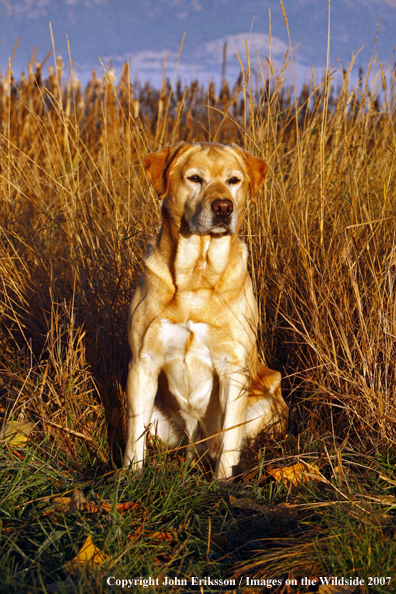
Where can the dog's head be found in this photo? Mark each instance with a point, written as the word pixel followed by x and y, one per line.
pixel 205 185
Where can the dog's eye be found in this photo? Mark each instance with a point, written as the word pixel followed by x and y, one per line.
pixel 195 178
pixel 234 180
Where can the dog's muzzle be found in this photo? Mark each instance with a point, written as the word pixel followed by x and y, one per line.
pixel 218 217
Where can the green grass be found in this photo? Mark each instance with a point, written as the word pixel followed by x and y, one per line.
pixel 76 211
pixel 334 529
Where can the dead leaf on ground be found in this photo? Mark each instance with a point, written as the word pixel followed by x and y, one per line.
pixel 120 507
pixel 162 536
pixel 18 454
pixel 16 434
pixel 296 474
pixel 282 509
pixel 89 555
pixel 330 589
pixel 246 503
pixel 65 504
pixel 157 536
pixel 6 529
pixel 162 559
pixel 287 510
pixel 62 503
pixel 248 477
pixel 78 502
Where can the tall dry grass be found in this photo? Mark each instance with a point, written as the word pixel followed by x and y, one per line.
pixel 76 210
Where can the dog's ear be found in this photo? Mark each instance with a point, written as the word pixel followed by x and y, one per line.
pixel 158 164
pixel 257 169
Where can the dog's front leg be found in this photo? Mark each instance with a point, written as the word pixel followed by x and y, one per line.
pixel 234 401
pixel 142 385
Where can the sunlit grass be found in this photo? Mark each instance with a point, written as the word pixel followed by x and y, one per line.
pixel 75 213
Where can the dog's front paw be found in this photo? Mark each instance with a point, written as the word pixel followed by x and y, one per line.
pixel 225 472
pixel 133 464
pixel 227 467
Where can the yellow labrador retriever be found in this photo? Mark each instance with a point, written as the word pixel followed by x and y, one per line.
pixel 193 318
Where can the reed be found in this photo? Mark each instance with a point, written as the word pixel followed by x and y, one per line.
pixel 75 213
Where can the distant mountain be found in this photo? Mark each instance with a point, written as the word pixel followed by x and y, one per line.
pixel 144 31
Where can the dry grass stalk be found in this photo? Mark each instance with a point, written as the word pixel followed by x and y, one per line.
pixel 76 210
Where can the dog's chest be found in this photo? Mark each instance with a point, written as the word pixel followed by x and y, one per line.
pixel 189 363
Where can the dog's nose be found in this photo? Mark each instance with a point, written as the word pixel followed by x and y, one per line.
pixel 222 207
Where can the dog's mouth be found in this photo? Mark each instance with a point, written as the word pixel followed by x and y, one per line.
pixel 217 231
pixel 208 224
pixel 216 228
pixel 220 229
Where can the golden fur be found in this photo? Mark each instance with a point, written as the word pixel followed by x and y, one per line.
pixel 193 317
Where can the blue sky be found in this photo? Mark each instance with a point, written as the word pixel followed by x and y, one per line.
pixel 144 31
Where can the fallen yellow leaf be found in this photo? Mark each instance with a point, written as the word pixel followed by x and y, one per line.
pixel 164 536
pixel 157 536
pixel 296 474
pixel 89 555
pixel 78 502
pixel 16 434
pixel 63 505
pixel 64 502
pixel 120 507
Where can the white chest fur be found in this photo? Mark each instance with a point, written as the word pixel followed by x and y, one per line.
pixel 188 364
